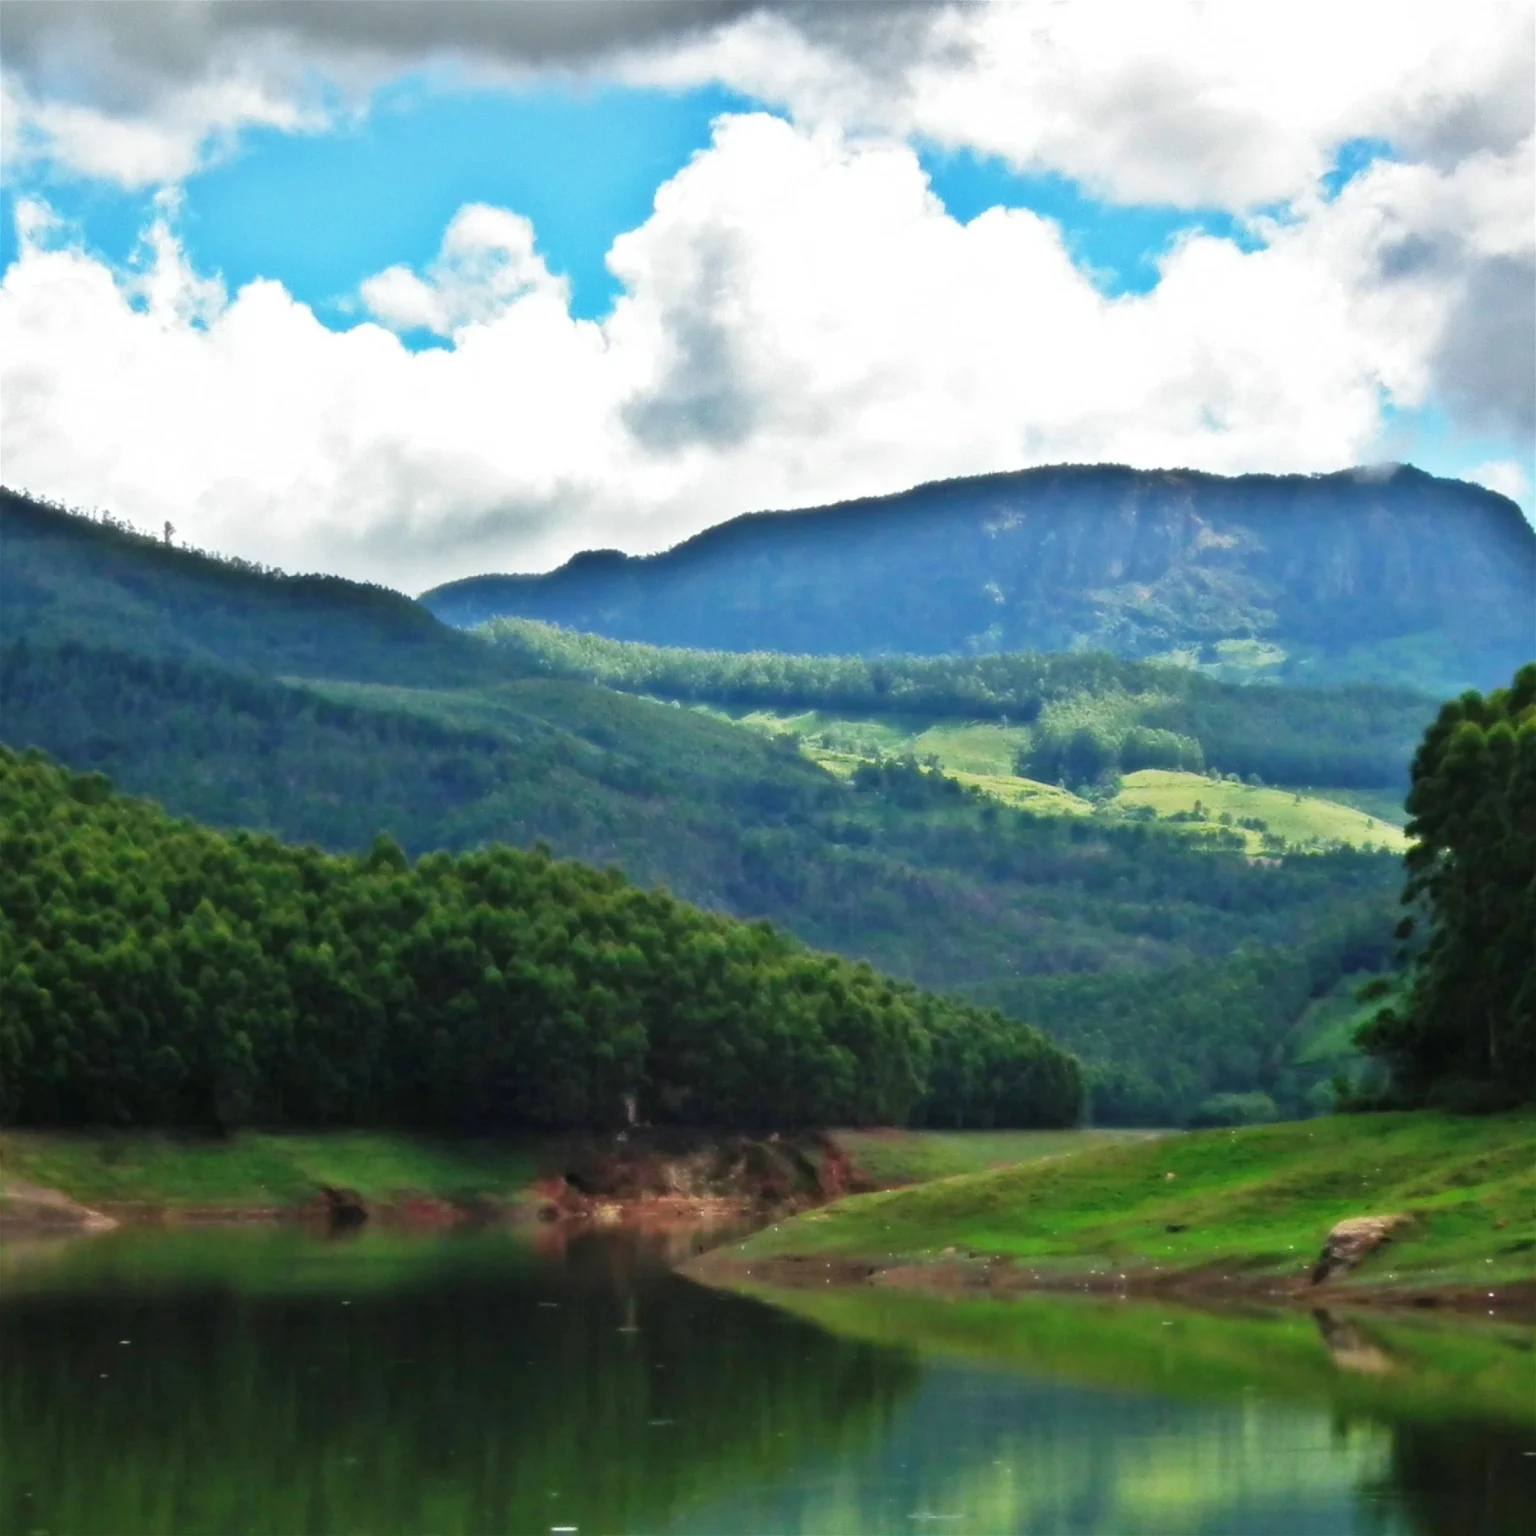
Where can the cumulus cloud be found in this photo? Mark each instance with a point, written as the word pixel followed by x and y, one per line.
pixel 487 263
pixel 800 320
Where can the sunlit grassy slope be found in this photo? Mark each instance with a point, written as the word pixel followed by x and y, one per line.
pixel 981 755
pixel 1262 1197
pixel 1296 817
pixel 913 1157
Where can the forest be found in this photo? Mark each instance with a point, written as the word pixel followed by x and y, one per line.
pixel 154 972
pixel 1092 713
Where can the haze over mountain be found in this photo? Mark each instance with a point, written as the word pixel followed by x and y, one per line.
pixel 1389 575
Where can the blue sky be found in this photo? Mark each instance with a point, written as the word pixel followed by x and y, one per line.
pixel 1149 274
pixel 322 212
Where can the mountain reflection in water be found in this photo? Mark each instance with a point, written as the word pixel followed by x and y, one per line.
pixel 238 1381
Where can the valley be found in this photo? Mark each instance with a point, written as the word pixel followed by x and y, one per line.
pixel 1152 946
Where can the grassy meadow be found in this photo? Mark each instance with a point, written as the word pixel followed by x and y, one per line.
pixel 982 754
pixel 1297 818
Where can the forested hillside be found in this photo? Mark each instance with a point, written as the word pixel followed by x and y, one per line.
pixel 68 577
pixel 895 865
pixel 1389 577
pixel 1087 713
pixel 157 973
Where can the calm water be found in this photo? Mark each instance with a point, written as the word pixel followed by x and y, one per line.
pixel 229 1382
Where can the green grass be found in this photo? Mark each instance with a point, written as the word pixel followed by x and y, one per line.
pixel 891 1157
pixel 1297 818
pixel 981 755
pixel 1263 1197
pixel 254 1169
pixel 1026 794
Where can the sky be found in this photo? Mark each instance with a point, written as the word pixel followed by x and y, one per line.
pixel 411 292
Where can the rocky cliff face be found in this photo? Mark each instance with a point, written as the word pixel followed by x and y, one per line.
pixel 1394 575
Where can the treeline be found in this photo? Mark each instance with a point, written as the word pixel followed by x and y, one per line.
pixel 1463 1031
pixel 1086 709
pixel 70 577
pixel 153 972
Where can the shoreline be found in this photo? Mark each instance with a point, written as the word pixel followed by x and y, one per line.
pixel 61 1182
pixel 1206 1286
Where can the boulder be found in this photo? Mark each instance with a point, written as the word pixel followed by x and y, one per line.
pixel 1351 1240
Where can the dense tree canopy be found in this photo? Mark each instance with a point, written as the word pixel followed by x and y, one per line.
pixel 1464 1029
pixel 155 972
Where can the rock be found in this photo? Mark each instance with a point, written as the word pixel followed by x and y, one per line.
pixel 1351 1240
pixel 344 1207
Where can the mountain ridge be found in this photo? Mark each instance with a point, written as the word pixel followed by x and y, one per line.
pixel 1344 575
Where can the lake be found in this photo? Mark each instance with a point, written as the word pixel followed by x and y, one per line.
pixel 273 1381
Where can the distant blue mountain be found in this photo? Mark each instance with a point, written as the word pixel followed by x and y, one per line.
pixel 1392 575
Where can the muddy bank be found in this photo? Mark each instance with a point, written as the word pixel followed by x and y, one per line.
pixel 47 1211
pixel 1211 1286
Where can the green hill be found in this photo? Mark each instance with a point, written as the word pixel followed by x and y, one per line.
pixel 208 710
pixel 68 577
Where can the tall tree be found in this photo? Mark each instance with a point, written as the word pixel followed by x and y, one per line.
pixel 1464 1028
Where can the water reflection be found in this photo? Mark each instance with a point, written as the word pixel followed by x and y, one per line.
pixel 268 1382
pixel 376 1387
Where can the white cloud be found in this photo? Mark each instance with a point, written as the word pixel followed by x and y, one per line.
pixel 158 142
pixel 1506 476
pixel 1224 103
pixel 487 263
pixel 1228 103
pixel 801 321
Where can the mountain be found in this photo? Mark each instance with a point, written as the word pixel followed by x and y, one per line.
pixel 1393 576
pixel 326 712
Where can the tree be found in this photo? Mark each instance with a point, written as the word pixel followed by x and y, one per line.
pixel 1463 1031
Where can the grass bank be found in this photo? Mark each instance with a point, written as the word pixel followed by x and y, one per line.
pixel 127 1172
pixel 1246 1208
pixel 255 1170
